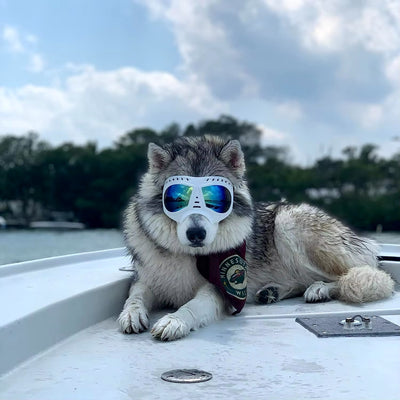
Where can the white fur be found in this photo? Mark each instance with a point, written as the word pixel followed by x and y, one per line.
pixel 319 291
pixel 205 307
pixel 199 221
pixel 134 317
pixel 307 252
pixel 365 283
pixel 171 278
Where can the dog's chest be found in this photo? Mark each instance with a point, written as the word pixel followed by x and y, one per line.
pixel 174 280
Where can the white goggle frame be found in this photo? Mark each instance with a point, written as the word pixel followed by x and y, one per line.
pixel 196 203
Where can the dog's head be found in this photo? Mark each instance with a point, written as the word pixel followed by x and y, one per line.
pixel 197 230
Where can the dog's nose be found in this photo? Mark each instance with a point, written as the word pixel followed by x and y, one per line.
pixel 196 236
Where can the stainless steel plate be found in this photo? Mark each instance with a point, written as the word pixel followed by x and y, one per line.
pixel 186 376
pixel 332 326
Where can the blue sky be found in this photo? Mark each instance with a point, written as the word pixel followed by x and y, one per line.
pixel 107 34
pixel 315 76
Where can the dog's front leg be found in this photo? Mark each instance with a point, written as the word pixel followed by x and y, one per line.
pixel 208 305
pixel 134 317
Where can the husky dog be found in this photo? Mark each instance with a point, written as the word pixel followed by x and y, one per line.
pixel 292 250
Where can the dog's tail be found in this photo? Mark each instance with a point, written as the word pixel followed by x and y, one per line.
pixel 365 283
pixel 362 280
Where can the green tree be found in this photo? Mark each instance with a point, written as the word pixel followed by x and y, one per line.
pixel 230 128
pixel 360 188
pixel 20 181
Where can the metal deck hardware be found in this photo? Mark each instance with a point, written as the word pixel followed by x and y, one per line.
pixel 128 268
pixel 186 376
pixel 334 326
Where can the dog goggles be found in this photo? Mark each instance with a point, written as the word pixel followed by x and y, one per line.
pixel 211 196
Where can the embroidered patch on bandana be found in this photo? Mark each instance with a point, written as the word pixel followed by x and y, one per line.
pixel 228 272
pixel 233 275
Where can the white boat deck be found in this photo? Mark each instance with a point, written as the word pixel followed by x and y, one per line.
pixel 59 340
pixel 45 301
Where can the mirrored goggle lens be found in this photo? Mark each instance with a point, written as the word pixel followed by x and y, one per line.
pixel 177 197
pixel 217 198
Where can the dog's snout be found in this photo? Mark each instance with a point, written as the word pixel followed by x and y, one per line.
pixel 196 236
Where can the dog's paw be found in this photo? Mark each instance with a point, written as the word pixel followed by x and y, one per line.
pixel 170 327
pixel 267 295
pixel 134 318
pixel 317 292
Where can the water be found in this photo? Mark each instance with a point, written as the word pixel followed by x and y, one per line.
pixel 387 237
pixel 22 245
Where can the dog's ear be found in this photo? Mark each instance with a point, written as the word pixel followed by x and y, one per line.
pixel 158 158
pixel 232 155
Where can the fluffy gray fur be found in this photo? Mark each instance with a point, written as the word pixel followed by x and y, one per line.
pixel 291 249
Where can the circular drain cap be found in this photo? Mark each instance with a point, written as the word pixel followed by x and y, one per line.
pixel 186 376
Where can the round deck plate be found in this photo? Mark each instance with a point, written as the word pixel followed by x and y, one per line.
pixel 186 376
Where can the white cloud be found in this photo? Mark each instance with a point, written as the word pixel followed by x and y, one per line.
pixel 373 115
pixel 366 115
pixel 12 39
pixel 376 30
pixel 23 44
pixel 102 105
pixel 272 49
pixel 326 32
pixel 337 24
pixel 204 44
pixel 290 109
pixel 271 136
pixel 393 70
pixel 307 71
pixel 330 67
pixel 36 63
pixel 31 38
pixel 30 108
pixel 286 5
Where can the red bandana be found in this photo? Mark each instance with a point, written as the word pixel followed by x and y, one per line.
pixel 228 272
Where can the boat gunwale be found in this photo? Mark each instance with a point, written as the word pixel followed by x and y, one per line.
pixel 58 261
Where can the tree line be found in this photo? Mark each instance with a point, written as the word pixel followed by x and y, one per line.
pixel 92 185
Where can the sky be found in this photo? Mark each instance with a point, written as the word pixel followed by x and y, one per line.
pixel 315 76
